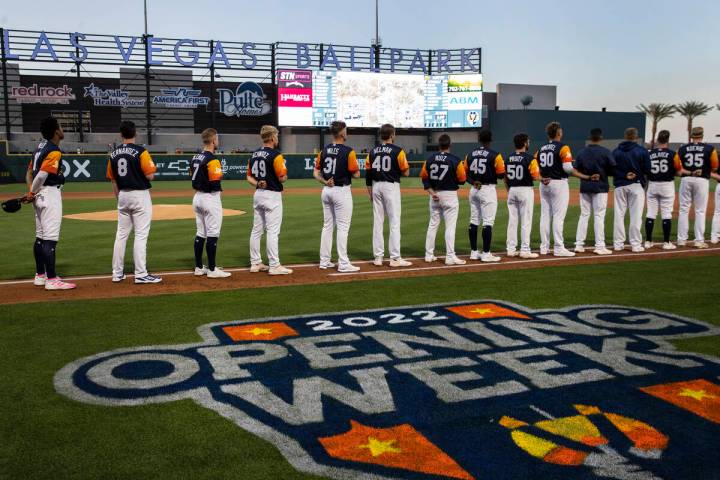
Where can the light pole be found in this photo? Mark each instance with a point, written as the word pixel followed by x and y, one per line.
pixel 146 22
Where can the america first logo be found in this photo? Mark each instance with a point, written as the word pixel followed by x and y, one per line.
pixel 473 390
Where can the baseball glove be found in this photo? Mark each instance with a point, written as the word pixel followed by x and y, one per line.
pixel 14 204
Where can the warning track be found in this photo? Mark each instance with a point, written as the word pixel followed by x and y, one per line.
pixel 100 286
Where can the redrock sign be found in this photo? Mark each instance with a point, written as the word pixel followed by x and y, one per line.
pixel 36 94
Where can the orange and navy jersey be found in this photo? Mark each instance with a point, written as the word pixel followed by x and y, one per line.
pixel 443 171
pixel 698 156
pixel 268 165
pixel 661 166
pixel 521 169
pixel 338 162
pixel 385 163
pixel 206 172
pixel 47 158
pixel 129 166
pixel 551 157
pixel 485 166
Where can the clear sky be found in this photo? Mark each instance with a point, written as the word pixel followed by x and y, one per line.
pixel 615 53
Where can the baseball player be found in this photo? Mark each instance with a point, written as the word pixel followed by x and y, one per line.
pixel 629 195
pixel 335 167
pixel 267 173
pixel 715 231
pixel 442 174
pixel 45 179
pixel 660 171
pixel 384 166
pixel 206 174
pixel 597 162
pixel 555 161
pixel 484 167
pixel 130 169
pixel 521 170
pixel 696 160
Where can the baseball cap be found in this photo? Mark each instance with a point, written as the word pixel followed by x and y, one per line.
pixel 697 132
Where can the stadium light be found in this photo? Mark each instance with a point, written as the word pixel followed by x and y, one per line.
pixel 146 20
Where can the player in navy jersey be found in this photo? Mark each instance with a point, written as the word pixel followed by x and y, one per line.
pixel 442 174
pixel 521 170
pixel 660 171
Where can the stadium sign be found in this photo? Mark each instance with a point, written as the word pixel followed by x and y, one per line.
pixel 246 55
pixel 471 390
pixel 48 95
pixel 247 100
pixel 180 98
pixel 112 97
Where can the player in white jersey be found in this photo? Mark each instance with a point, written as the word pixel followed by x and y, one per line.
pixel 384 166
pixel 660 172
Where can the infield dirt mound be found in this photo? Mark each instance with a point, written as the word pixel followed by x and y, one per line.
pixel 160 212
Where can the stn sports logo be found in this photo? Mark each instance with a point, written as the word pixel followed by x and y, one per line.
pixel 476 390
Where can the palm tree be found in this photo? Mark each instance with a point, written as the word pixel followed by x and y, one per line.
pixel 691 110
pixel 526 101
pixel 657 112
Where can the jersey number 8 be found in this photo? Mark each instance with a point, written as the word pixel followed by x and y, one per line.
pixel 122 167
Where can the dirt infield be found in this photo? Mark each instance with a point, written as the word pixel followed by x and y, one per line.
pixel 93 287
pixel 160 212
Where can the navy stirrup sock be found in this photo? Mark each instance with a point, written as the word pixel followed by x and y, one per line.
pixel 199 247
pixel 473 236
pixel 649 225
pixel 486 237
pixel 39 257
pixel 667 229
pixel 211 251
pixel 48 247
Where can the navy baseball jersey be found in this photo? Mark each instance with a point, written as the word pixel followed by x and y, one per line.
pixel 661 165
pixel 206 172
pixel 385 163
pixel 338 162
pixel 485 166
pixel 47 158
pixel 521 169
pixel 698 156
pixel 128 166
pixel 591 160
pixel 268 165
pixel 551 157
pixel 443 171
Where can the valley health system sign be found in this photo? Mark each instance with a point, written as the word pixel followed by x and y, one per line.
pixel 244 55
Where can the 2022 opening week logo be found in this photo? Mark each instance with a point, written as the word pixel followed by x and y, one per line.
pixel 482 389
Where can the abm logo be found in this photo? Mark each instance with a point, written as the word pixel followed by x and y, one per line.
pixel 482 389
pixel 247 100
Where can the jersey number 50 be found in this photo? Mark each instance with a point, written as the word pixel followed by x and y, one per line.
pixel 515 172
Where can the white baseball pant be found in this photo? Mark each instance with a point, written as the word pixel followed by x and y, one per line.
pixel 208 213
pixel 693 191
pixel 386 201
pixel 715 231
pixel 660 196
pixel 445 208
pixel 594 204
pixel 48 213
pixel 134 212
pixel 483 205
pixel 554 198
pixel 521 203
pixel 628 198
pixel 337 205
pixel 267 217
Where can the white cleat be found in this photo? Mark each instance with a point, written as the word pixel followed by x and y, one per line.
pixel 378 262
pixel 701 245
pixel 714 241
pixel 218 273
pixel 544 251
pixel 454 261
pixel 649 245
pixel 512 253
pixel 118 279
pixel 638 249
pixel 326 266
pixel 399 263
pixel 349 268
pixel 258 267
pixel 40 280
pixel 619 249
pixel 527 255
pixel 681 243
pixel 279 270
pixel 669 246
pixel 148 279
pixel 430 258
pixel 475 255
pixel 563 253
pixel 579 249
pixel 602 251
pixel 58 284
pixel 488 257
pixel 199 272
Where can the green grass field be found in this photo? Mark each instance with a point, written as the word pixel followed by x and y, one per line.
pixel 47 436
